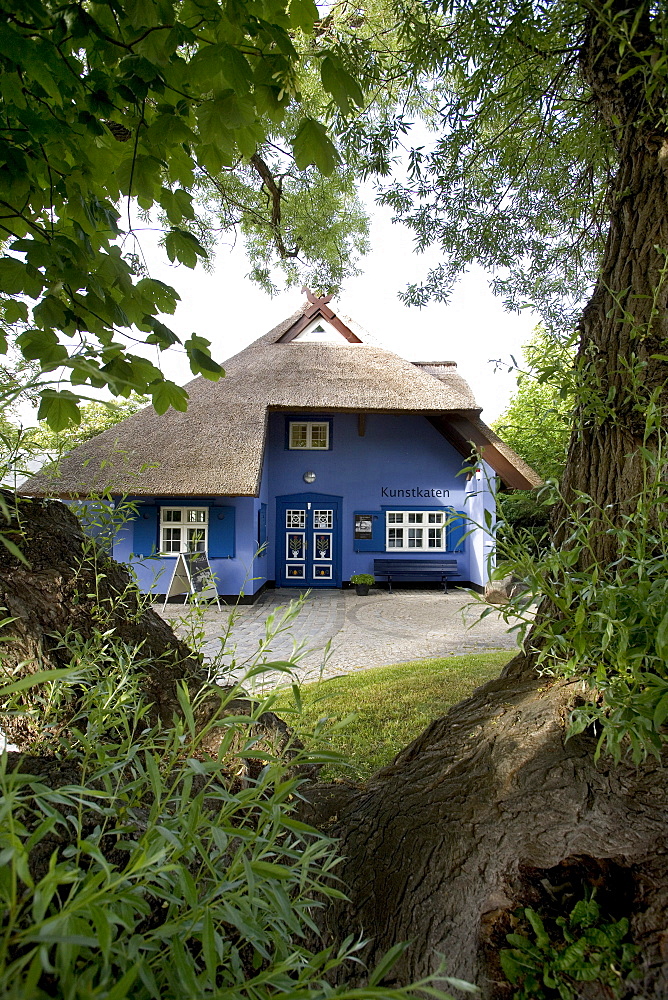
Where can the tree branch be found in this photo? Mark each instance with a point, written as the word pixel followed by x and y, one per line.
pixel 275 194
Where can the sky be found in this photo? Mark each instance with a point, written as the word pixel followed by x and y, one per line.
pixel 227 308
pixel 472 329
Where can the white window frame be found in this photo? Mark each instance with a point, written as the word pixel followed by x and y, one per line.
pixel 309 425
pixel 414 525
pixel 167 522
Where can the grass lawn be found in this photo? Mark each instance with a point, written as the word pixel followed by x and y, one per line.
pixel 392 705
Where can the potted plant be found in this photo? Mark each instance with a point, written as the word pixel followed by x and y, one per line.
pixel 362 582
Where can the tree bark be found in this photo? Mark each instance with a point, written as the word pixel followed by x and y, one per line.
pixel 489 810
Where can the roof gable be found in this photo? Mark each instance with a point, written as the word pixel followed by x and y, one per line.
pixel 318 315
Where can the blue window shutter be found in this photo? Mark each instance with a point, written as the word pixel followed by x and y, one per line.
pixel 377 541
pixel 456 530
pixel 145 536
pixel 221 532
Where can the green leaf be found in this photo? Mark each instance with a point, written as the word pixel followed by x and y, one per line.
pixel 177 204
pixel 203 364
pixel 199 355
pixel 184 247
pixel 218 116
pixel 120 990
pixel 17 277
pixel 387 962
pixel 42 346
pixel 269 870
pixel 338 82
pixel 165 394
pixel 161 335
pixel 140 175
pixel 542 937
pixel 13 548
pixel 312 146
pixel 33 680
pixel 660 712
pixel 59 409
pixel 14 311
pixel 167 130
pixel 50 312
pixel 303 14
pixel 661 641
pixel 235 69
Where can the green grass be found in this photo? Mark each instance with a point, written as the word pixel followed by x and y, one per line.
pixel 392 705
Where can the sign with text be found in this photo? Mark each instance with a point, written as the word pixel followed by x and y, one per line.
pixel 413 492
pixel 192 575
pixel 363 526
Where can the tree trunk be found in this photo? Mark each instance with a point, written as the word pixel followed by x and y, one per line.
pixel 491 809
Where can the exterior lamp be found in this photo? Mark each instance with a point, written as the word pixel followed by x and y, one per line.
pixel 309 477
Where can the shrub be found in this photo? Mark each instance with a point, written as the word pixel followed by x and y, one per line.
pixel 138 862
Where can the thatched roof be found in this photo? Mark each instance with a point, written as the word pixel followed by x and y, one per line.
pixel 216 448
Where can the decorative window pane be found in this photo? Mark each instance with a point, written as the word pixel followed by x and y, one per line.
pixel 295 519
pixel 395 538
pixel 415 538
pixel 171 539
pixel 322 545
pixel 319 435
pixel 395 518
pixel 196 540
pixel 323 518
pixel 414 517
pixel 184 539
pixel 435 538
pixel 311 435
pixel 294 545
pixel 298 435
pixel 435 517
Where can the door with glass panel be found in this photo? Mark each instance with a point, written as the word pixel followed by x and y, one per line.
pixel 308 541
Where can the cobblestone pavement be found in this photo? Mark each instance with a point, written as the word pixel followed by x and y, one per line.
pixel 362 632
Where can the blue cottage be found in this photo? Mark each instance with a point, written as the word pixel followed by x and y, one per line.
pixel 317 454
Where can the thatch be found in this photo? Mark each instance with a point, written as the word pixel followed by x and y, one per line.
pixel 216 448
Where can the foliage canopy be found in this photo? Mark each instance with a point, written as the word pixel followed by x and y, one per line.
pixel 107 107
pixel 537 421
pixel 517 177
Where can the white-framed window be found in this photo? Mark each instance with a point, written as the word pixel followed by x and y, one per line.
pixel 308 435
pixel 415 530
pixel 183 529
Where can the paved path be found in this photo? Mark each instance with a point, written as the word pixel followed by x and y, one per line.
pixel 337 632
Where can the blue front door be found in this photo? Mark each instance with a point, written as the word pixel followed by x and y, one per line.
pixel 308 541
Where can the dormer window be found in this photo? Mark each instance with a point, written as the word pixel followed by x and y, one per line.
pixel 308 435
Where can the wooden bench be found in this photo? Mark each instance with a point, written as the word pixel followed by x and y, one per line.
pixel 416 569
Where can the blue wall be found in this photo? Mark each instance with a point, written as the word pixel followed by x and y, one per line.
pixel 396 452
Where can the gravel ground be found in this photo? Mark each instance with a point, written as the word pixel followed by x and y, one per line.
pixel 337 632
